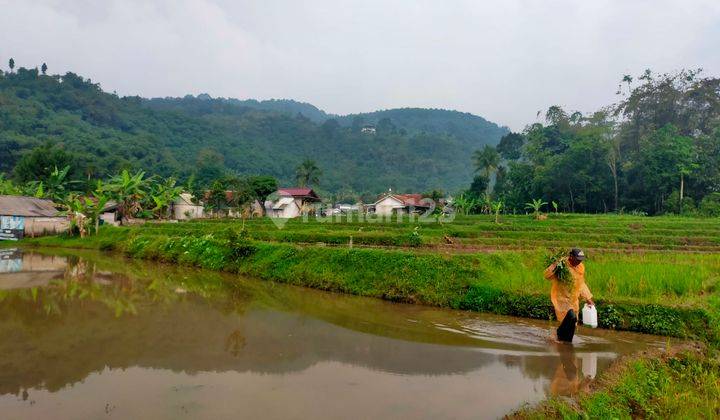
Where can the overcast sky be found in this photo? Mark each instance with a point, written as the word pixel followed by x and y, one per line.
pixel 504 60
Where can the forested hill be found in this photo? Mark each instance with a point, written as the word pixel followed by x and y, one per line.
pixel 204 104
pixel 413 149
pixel 469 128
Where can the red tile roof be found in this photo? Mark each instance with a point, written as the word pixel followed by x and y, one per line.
pixel 298 192
pixel 414 200
pixel 295 191
pixel 411 199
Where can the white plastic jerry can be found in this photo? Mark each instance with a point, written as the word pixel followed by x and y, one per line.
pixel 589 316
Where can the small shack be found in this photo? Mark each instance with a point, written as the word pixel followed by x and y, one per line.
pixel 109 215
pixel 22 216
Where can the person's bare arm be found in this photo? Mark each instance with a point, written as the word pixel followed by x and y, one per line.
pixel 550 271
pixel 586 295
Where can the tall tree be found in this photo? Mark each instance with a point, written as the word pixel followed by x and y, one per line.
pixel 510 146
pixel 44 68
pixel 307 173
pixel 261 187
pixel 39 164
pixel 486 160
pixel 11 64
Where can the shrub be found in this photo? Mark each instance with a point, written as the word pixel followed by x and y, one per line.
pixel 710 205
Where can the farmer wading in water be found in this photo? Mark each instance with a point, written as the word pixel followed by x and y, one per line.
pixel 565 296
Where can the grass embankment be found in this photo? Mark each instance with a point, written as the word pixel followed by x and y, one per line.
pixel 481 232
pixel 676 384
pixel 666 294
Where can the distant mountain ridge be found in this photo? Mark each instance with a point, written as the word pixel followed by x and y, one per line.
pixel 463 125
pixel 412 149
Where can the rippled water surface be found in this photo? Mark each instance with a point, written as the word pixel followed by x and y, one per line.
pixel 84 335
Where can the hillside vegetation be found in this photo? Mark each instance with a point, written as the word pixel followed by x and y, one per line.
pixel 104 133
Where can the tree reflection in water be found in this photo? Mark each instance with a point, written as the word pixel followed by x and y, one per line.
pixel 99 314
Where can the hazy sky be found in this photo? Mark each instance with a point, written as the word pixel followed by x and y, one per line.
pixel 504 60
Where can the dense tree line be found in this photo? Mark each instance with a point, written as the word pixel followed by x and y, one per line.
pixel 49 121
pixel 656 151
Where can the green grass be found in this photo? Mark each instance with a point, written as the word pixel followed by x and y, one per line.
pixel 481 232
pixel 655 386
pixel 655 292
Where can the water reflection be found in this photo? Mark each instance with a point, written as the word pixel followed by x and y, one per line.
pixel 71 319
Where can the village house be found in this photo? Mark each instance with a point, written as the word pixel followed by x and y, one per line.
pixel 183 208
pixel 390 204
pixel 291 202
pixel 368 129
pixel 22 216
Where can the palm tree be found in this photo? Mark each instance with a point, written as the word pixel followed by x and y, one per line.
pixel 128 191
pixel 307 173
pixel 536 206
pixel 486 160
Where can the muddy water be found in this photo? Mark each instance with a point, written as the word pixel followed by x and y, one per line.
pixel 83 335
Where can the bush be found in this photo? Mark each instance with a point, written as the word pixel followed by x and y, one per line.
pixel 672 204
pixel 710 205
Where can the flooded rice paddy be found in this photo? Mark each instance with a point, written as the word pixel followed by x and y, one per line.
pixel 86 335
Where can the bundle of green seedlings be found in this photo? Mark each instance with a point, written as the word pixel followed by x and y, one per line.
pixel 560 259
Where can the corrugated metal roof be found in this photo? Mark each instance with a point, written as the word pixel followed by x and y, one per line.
pixel 16 205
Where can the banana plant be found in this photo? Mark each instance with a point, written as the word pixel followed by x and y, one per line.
pixel 163 194
pixel 128 191
pixel 536 206
pixel 497 207
pixel 463 204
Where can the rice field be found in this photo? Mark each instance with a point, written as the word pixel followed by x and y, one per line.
pixel 473 233
pixel 665 269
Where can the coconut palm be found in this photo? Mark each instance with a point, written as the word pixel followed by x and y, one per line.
pixel 486 160
pixel 307 173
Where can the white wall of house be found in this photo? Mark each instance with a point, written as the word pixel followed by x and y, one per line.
pixel 182 211
pixel 183 208
pixel 388 205
pixel 286 208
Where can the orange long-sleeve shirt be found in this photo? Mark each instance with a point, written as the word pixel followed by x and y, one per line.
pixel 567 296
